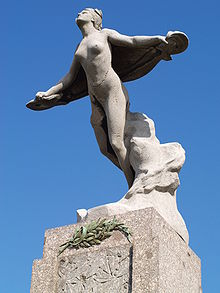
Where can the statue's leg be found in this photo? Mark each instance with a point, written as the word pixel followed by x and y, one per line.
pixel 116 108
pixel 99 124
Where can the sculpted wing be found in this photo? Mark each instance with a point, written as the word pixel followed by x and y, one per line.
pixel 74 92
pixel 133 63
pixel 128 63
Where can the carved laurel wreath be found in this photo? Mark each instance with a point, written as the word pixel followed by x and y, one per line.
pixel 94 233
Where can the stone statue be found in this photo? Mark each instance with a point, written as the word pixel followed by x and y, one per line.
pixel 102 61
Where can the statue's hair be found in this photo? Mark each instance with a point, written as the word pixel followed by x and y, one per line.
pixel 97 15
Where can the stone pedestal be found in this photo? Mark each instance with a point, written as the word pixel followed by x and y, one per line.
pixel 157 260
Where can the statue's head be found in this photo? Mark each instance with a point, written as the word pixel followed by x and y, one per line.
pixel 90 15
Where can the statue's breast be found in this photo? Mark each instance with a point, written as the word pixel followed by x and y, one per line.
pixel 95 48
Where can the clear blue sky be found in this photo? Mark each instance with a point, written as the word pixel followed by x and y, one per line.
pixel 50 161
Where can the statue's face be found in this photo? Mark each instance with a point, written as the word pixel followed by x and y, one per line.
pixel 84 17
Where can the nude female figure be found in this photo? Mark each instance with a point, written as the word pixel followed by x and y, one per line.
pixel 108 95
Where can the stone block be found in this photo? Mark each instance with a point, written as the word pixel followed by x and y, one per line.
pixel 157 260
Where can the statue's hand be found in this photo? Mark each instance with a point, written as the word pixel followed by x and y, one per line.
pixel 40 95
pixel 163 47
pixel 163 43
pixel 162 40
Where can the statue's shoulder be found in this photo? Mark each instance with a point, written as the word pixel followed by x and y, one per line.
pixel 108 31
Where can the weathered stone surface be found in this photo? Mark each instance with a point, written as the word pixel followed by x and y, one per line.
pixel 156 169
pixel 157 260
pixel 106 270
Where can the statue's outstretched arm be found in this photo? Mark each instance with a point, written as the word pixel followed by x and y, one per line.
pixel 135 41
pixel 65 82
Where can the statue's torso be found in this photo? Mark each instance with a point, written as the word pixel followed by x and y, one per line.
pixel 94 54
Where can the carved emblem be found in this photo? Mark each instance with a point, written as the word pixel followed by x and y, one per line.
pixel 107 271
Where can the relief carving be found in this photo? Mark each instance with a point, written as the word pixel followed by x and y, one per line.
pixel 102 271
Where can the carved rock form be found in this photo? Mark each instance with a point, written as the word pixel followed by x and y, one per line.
pixel 156 169
pixel 156 165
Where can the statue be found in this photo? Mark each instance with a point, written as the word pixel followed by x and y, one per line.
pixel 109 97
pixel 102 61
